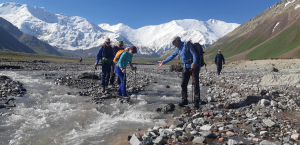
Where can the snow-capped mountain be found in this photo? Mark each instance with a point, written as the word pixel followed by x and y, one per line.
pixel 158 37
pixel 73 33
pixel 70 33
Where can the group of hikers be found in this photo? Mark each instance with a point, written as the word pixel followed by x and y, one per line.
pixel 115 59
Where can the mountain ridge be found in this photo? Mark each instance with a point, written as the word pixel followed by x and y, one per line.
pixel 270 34
pixel 76 33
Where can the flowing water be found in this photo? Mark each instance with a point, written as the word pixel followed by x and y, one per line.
pixel 47 115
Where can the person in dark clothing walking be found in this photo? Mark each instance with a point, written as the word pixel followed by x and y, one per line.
pixel 106 55
pixel 190 68
pixel 112 72
pixel 218 61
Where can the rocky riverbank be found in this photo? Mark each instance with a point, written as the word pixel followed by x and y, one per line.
pixel 90 85
pixel 9 91
pixel 251 102
pixel 244 107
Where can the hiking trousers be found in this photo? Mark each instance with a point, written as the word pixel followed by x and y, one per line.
pixel 219 68
pixel 122 89
pixel 186 74
pixel 113 76
pixel 105 74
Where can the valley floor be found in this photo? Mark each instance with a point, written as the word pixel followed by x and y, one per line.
pixel 250 102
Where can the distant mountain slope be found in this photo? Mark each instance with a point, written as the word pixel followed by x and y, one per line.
pixel 273 33
pixel 38 45
pixel 61 31
pixel 10 43
pixel 32 42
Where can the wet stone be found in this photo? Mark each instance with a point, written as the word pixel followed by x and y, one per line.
pixel 199 140
pixel 158 140
pixel 205 127
pixel 269 122
pixel 229 133
pixel 232 142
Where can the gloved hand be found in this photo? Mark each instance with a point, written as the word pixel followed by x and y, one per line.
pixel 134 68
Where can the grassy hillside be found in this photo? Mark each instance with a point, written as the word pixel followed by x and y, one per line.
pixel 273 33
pixel 239 45
pixel 18 56
pixel 282 43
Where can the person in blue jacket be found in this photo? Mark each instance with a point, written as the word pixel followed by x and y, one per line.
pixel 106 55
pixel 218 61
pixel 190 67
pixel 125 58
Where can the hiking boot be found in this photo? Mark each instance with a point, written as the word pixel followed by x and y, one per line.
pixel 103 89
pixel 183 102
pixel 202 102
pixel 196 104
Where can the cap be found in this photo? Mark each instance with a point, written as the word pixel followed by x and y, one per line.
pixel 176 38
pixel 120 42
pixel 219 50
pixel 107 40
pixel 133 49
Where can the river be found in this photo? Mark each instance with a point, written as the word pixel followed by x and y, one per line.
pixel 48 114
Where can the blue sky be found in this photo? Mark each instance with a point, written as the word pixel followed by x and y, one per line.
pixel 139 13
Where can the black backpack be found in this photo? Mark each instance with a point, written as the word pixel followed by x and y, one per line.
pixel 199 51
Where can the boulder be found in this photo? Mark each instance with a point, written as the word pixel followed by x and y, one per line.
pixel 135 141
pixel 177 67
pixel 295 136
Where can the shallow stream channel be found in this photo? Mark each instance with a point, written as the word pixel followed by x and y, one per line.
pixel 50 114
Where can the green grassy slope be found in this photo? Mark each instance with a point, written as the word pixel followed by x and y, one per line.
pixel 282 43
pixel 18 56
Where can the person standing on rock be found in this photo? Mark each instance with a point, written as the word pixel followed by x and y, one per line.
pixel 106 55
pixel 190 68
pixel 218 61
pixel 125 58
pixel 113 73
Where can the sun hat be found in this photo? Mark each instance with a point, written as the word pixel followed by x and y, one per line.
pixel 107 40
pixel 176 38
pixel 120 42
pixel 133 49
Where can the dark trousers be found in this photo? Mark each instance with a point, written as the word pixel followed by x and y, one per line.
pixel 113 76
pixel 219 68
pixel 105 73
pixel 186 74
pixel 122 88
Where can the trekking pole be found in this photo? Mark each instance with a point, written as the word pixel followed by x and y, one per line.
pixel 193 83
pixel 92 83
pixel 124 84
pixel 135 83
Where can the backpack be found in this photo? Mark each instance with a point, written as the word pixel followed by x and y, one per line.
pixel 117 56
pixel 199 51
